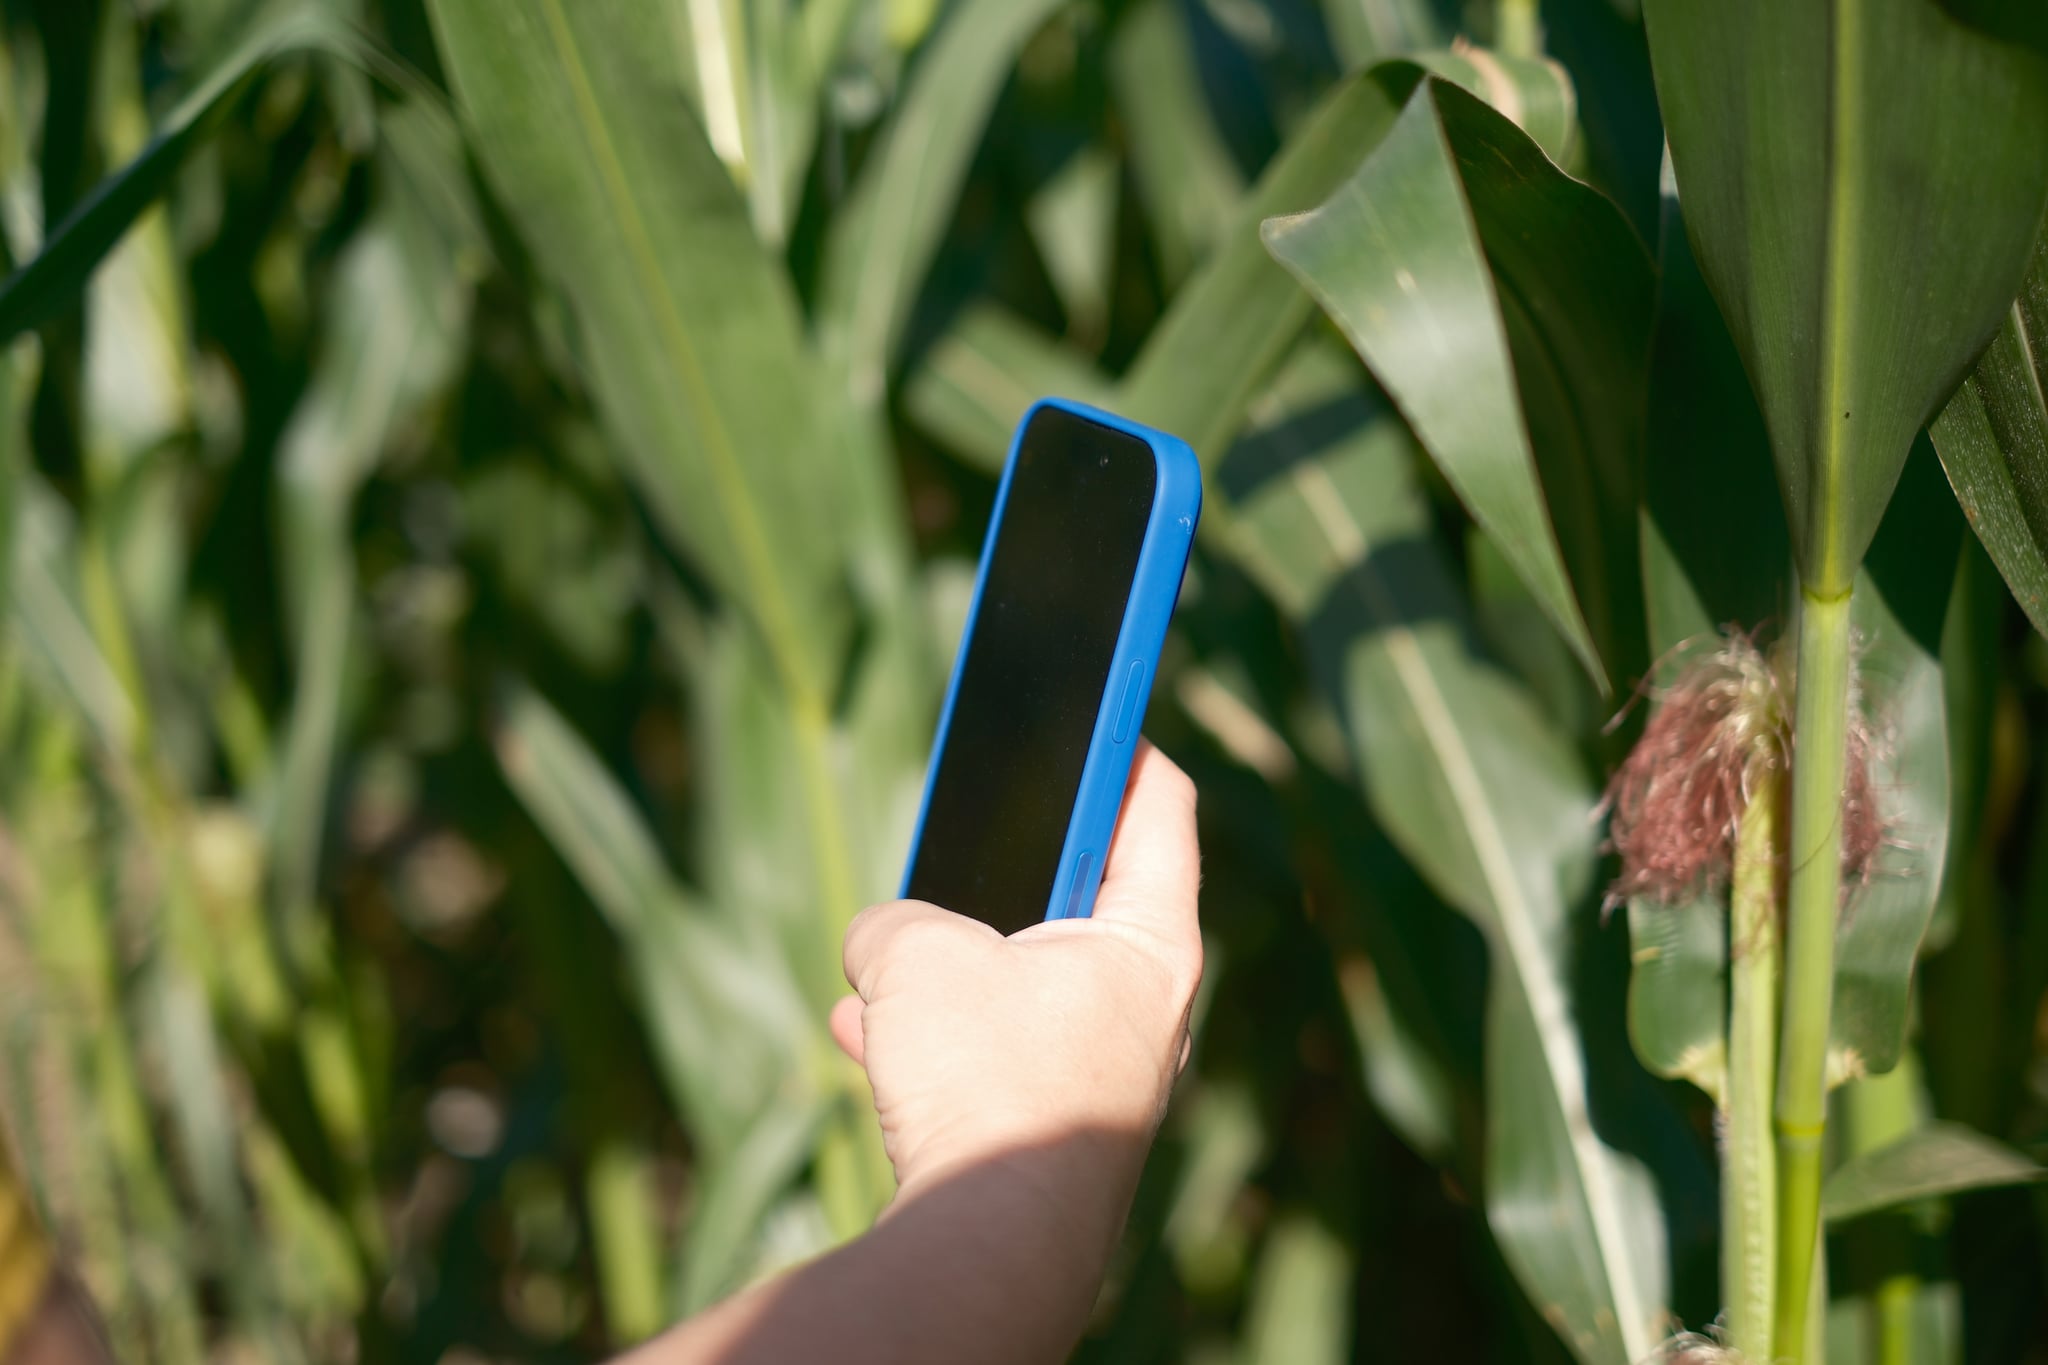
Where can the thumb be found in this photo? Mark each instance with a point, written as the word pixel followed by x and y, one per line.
pixel 1155 866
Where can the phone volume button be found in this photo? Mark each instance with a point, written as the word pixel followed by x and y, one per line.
pixel 1127 705
pixel 1082 867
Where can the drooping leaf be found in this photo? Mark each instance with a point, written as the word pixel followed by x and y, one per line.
pixel 1993 440
pixel 1932 1161
pixel 1506 309
pixel 44 286
pixel 690 335
pixel 1234 318
pixel 1860 220
pixel 1885 1298
pixel 1494 811
pixel 1533 94
pixel 885 237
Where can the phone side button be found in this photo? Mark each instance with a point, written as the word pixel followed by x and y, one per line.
pixel 1082 865
pixel 1127 705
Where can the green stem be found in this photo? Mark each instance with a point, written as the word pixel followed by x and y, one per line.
pixel 1518 28
pixel 1813 900
pixel 1749 1184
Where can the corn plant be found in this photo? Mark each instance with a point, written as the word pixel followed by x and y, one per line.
pixel 488 491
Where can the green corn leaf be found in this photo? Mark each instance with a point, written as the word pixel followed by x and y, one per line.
pixel 40 289
pixel 1408 972
pixel 625 1237
pixel 1861 221
pixel 1715 548
pixel 884 239
pixel 1930 1162
pixel 393 334
pixel 1714 556
pixel 1302 1296
pixel 48 618
pixel 1073 224
pixel 1367 31
pixel 1533 94
pixel 690 332
pixel 1505 307
pixel 1235 317
pixel 724 1017
pixel 1678 990
pixel 1185 176
pixel 754 71
pixel 975 382
pixel 1900 608
pixel 1885 1302
pixel 737 1194
pixel 1993 439
pixel 16 365
pixel 1233 320
pixel 1493 810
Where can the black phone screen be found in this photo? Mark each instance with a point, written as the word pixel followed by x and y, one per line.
pixel 1038 660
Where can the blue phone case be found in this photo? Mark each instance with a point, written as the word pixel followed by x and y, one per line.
pixel 1176 507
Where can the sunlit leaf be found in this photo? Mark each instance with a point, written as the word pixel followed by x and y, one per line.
pixel 690 332
pixel 1505 308
pixel 1338 533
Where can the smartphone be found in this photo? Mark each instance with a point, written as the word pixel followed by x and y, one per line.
pixel 1079 574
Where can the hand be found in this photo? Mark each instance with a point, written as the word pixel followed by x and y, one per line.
pixel 980 1046
pixel 1019 1081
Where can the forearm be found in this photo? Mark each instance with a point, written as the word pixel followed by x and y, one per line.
pixel 998 1263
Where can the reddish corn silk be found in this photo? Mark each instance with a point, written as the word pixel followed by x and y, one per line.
pixel 1721 729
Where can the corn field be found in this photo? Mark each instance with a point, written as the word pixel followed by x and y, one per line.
pixel 488 497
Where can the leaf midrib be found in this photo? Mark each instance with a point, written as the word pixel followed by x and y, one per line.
pixel 777 622
pixel 1347 539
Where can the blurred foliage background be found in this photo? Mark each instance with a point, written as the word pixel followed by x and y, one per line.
pixel 477 602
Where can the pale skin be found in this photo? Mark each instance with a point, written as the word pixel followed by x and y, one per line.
pixel 1019 1082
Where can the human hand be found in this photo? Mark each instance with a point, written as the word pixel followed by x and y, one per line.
pixel 1066 1035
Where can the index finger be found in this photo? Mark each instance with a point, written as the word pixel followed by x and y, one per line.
pixel 1154 871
